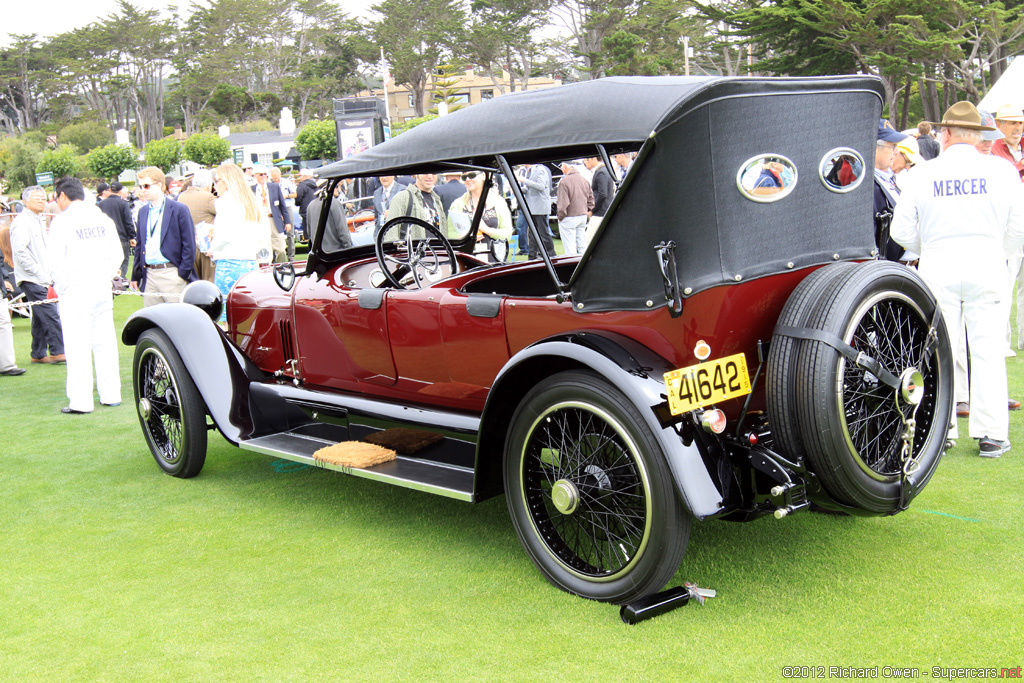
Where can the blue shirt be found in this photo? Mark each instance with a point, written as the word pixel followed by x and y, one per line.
pixel 154 224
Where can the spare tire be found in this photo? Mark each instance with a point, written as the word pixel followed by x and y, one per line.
pixel 851 423
pixel 781 369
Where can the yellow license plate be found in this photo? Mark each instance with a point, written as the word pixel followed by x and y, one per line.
pixel 705 383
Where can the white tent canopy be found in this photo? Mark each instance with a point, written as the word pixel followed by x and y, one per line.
pixel 1009 89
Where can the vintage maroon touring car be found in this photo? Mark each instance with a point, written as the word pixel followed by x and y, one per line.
pixel 727 347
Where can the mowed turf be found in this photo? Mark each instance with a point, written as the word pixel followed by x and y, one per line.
pixel 263 570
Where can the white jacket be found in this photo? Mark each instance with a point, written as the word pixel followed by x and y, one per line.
pixel 963 207
pixel 84 248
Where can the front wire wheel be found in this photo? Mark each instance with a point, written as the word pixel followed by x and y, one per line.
pixel 171 411
pixel 589 491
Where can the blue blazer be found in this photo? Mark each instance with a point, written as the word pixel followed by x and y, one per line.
pixel 277 208
pixel 177 241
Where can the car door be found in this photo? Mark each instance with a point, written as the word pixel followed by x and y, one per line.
pixel 446 350
pixel 342 342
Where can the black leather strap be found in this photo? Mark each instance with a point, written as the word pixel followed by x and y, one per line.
pixel 853 355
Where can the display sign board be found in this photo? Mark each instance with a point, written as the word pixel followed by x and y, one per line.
pixel 44 178
pixel 359 123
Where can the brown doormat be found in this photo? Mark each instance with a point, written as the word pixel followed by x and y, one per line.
pixel 354 454
pixel 404 440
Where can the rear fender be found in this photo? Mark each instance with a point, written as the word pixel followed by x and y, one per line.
pixel 221 372
pixel 632 368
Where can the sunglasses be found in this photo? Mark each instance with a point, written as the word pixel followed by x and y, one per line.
pixel 146 186
pixel 469 176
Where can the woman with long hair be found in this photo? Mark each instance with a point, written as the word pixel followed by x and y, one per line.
pixel 495 223
pixel 238 229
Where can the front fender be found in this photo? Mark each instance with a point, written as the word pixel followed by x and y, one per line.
pixel 633 369
pixel 221 372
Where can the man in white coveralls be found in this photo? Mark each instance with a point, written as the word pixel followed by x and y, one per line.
pixel 84 254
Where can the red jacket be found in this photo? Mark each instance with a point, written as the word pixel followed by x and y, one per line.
pixel 1000 149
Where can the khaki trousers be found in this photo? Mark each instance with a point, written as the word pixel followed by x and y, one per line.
pixel 161 286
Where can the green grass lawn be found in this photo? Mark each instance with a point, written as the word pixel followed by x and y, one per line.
pixel 263 570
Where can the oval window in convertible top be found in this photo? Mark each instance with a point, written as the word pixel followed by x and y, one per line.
pixel 766 178
pixel 842 169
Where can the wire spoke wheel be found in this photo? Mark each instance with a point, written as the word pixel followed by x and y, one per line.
pixel 577 451
pixel 157 386
pixel 589 490
pixel 858 433
pixel 893 331
pixel 171 411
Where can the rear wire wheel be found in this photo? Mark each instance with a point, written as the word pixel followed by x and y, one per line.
pixel 590 493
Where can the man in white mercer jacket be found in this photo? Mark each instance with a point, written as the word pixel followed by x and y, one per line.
pixel 963 212
pixel 84 255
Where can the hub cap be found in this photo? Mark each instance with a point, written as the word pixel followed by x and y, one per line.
pixel 565 496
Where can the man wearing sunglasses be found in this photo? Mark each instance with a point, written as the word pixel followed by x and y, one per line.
pixel 420 200
pixel 166 247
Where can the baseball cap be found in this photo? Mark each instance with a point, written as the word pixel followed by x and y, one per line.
pixel 987 119
pixel 887 133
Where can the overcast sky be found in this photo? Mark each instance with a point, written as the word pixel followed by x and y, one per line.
pixel 60 16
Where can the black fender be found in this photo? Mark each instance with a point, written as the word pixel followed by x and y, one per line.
pixel 221 372
pixel 632 368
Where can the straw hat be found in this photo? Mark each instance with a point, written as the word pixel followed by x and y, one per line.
pixel 1010 112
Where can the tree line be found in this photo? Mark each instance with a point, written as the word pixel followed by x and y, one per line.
pixel 242 60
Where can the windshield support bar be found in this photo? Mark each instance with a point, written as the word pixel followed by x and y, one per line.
pixel 314 242
pixel 534 229
pixel 607 161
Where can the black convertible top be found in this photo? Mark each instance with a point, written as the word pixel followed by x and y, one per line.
pixel 694 136
pixel 611 110
pixel 565 122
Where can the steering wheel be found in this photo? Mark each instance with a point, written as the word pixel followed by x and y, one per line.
pixel 423 254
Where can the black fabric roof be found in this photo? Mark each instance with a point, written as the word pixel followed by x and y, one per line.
pixel 696 134
pixel 621 110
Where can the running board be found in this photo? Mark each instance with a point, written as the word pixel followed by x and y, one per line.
pixel 441 479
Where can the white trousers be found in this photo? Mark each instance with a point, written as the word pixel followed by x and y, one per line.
pixel 975 295
pixel 1015 271
pixel 573 231
pixel 963 389
pixel 87 320
pixel 6 337
pixel 592 225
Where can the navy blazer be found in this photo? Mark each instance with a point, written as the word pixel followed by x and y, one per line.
pixel 277 208
pixel 177 241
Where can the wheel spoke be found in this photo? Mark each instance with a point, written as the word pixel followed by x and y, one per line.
pixel 893 333
pixel 156 386
pixel 605 531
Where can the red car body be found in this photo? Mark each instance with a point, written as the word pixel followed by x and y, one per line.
pixel 721 349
